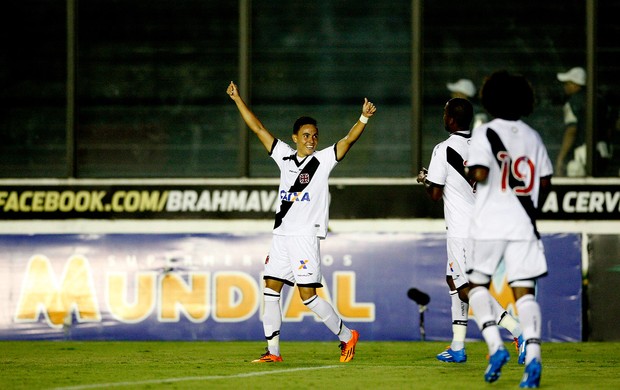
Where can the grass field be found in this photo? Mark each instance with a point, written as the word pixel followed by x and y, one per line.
pixel 307 365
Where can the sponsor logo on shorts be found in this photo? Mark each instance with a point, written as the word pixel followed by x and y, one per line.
pixel 303 264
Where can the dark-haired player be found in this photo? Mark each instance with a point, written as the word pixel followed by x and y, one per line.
pixel 300 222
pixel 510 164
pixel 446 179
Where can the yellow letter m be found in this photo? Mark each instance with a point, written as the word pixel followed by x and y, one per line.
pixel 41 293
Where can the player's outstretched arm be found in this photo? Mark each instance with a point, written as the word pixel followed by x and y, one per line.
pixel 343 146
pixel 250 119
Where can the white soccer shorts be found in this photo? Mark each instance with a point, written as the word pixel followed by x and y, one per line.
pixel 459 249
pixel 524 259
pixel 295 259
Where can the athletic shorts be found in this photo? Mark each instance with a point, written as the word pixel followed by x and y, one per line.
pixel 458 251
pixel 524 260
pixel 295 260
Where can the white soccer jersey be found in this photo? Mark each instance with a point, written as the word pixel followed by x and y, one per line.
pixel 447 168
pixel 506 202
pixel 304 191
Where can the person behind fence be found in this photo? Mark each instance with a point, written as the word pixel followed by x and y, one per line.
pixel 466 89
pixel 445 179
pixel 511 167
pixel 572 156
pixel 301 222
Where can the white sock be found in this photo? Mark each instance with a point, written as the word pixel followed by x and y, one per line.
pixel 480 301
pixel 460 314
pixel 328 315
pixel 272 320
pixel 506 321
pixel 531 318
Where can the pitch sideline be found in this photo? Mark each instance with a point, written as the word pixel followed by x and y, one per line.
pixel 190 378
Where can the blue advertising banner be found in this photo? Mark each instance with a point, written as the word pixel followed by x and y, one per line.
pixel 209 287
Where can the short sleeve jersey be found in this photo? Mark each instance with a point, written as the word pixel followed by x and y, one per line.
pixel 303 192
pixel 447 169
pixel 506 203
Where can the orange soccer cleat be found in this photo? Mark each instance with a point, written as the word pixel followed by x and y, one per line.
pixel 268 358
pixel 348 348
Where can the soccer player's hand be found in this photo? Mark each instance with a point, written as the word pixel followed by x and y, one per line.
pixel 368 108
pixel 232 91
pixel 422 175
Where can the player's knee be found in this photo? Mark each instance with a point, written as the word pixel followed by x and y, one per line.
pixel 529 283
pixel 271 295
pixel 524 299
pixel 478 278
pixel 474 291
pixel 464 294
pixel 522 288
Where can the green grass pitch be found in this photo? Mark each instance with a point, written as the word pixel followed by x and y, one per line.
pixel 307 365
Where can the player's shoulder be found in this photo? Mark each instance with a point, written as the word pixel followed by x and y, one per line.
pixel 530 131
pixel 459 138
pixel 328 152
pixel 440 148
pixel 282 147
pixel 281 152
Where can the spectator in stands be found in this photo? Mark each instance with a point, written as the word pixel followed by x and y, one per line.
pixel 573 144
pixel 465 89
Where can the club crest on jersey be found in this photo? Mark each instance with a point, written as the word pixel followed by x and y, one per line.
pixel 304 178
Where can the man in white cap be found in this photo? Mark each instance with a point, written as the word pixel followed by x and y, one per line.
pixel 574 114
pixel 465 89
pixel 573 141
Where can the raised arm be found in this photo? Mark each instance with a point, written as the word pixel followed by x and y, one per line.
pixel 343 146
pixel 250 119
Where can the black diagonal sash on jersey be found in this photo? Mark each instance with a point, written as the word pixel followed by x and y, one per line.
pixel 298 187
pixel 526 201
pixel 456 161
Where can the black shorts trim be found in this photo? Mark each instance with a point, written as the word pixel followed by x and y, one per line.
pixel 535 278
pixel 287 282
pixel 315 285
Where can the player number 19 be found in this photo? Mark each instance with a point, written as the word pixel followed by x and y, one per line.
pixel 522 169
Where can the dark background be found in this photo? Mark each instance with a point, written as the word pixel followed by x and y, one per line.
pixel 148 98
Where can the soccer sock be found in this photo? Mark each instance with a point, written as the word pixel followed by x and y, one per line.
pixel 272 320
pixel 480 301
pixel 531 317
pixel 460 314
pixel 507 321
pixel 328 315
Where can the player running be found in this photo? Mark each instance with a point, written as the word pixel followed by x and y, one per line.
pixel 510 164
pixel 446 179
pixel 301 222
